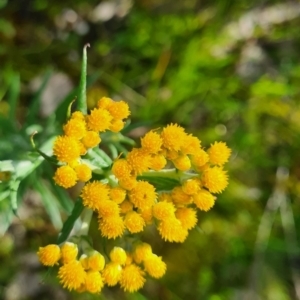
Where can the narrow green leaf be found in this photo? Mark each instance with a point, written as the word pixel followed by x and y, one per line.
pixel 50 204
pixel 161 183
pixel 98 158
pixel 61 194
pixel 13 188
pixel 113 150
pixel 69 223
pixel 82 105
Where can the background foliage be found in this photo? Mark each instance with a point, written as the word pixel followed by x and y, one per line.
pixel 225 70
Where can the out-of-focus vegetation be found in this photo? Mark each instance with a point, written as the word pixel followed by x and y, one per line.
pixel 225 70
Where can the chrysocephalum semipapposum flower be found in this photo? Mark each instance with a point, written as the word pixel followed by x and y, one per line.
pixel 98 120
pixel 132 278
pixel 95 261
pixel 93 282
pixel 72 275
pixel 126 200
pixel 173 137
pixel 215 179
pixel 218 153
pixel 66 148
pixel 134 222
pixel 91 139
pixel 92 194
pixel 75 127
pixel 139 160
pixel 143 195
pixel 65 176
pixel 112 227
pixel 204 200
pixel 154 266
pixel 187 216
pixel 112 273
pixel 118 255
pixel 69 252
pixel 164 210
pixel 142 252
pixel 151 142
pixel 49 255
pixel 117 194
pixel 83 172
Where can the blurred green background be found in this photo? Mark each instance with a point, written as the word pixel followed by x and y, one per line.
pixel 225 70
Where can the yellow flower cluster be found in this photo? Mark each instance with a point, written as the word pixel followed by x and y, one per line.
pixel 81 133
pixel 126 202
pixel 133 203
pixel 90 272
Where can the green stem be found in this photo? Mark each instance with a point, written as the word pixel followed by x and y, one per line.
pixel 82 105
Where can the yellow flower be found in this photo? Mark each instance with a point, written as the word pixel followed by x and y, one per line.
pixel 75 128
pixel 155 267
pixel 139 160
pixel 191 186
pixel 219 153
pixel 84 261
pixel 182 163
pixel 49 255
pixel 147 215
pixel 83 149
pixel 78 115
pixel 173 137
pixel 215 179
pixel 187 217
pixel 91 139
pixel 72 275
pixel 66 148
pixel 132 278
pixel 116 125
pixel 108 208
pixel 126 206
pixel 142 252
pixel 112 273
pixel 143 195
pixel 165 197
pixel 200 158
pixel 121 169
pixel 204 200
pixel 119 110
pixel 69 252
pixel 83 172
pixel 112 227
pixel 191 145
pixel 96 261
pixel 65 176
pixel 118 255
pixel 128 183
pixel 164 210
pixel 99 119
pixel 180 197
pixel 171 154
pixel 129 259
pixel 151 142
pixel 157 162
pixel 104 102
pixel 117 194
pixel 134 222
pixel 93 193
pixel 93 282
pixel 171 230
